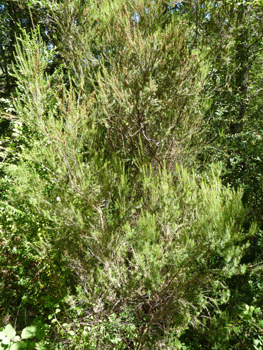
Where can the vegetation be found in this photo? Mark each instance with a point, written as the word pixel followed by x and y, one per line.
pixel 131 170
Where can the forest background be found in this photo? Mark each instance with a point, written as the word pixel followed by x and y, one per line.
pixel 131 174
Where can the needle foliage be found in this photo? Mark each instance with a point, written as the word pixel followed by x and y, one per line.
pixel 104 222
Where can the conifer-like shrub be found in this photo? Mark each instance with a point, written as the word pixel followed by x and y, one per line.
pixel 98 199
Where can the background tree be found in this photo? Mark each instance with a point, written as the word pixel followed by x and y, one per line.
pixel 231 35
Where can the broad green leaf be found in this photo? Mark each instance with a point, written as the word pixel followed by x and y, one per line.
pixel 40 334
pixel 6 341
pixel 21 345
pixel 30 345
pixel 235 329
pixel 29 332
pixel 4 347
pixel 9 331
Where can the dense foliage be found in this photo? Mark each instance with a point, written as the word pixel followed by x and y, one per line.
pixel 131 175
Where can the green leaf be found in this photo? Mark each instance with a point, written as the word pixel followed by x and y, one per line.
pixel 29 332
pixel 4 347
pixel 235 329
pixel 6 341
pixel 21 345
pixel 40 334
pixel 30 345
pixel 9 331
